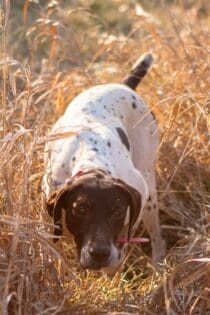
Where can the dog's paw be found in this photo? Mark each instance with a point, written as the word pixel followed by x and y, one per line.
pixel 158 252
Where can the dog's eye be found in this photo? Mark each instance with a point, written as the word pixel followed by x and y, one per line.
pixel 117 212
pixel 79 211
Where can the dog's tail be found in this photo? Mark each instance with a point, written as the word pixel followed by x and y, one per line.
pixel 138 71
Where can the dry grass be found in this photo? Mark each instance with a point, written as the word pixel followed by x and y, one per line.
pixel 69 48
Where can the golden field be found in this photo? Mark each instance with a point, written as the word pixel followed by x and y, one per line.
pixel 49 52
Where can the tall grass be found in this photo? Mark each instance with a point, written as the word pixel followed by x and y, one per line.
pixel 48 55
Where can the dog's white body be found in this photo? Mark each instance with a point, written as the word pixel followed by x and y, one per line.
pixel 86 137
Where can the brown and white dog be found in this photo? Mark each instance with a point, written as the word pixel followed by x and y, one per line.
pixel 100 179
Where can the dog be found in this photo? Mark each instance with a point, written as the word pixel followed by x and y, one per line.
pixel 99 181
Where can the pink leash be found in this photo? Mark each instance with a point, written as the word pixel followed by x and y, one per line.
pixel 133 240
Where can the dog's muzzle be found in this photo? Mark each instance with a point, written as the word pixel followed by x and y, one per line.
pixel 97 256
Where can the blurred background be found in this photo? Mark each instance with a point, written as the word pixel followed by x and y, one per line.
pixel 49 52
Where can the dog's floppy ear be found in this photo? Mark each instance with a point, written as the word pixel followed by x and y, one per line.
pixel 135 208
pixel 135 204
pixel 54 208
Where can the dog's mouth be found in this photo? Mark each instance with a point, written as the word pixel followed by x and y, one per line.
pixel 102 258
pixel 88 263
pixel 93 265
pixel 112 256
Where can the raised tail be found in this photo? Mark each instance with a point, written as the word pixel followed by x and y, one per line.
pixel 138 71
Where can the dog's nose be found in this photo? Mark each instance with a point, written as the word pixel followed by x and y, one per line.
pixel 99 253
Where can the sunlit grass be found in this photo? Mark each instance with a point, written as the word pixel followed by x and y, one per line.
pixel 53 52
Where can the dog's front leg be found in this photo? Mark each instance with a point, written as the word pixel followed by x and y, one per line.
pixel 151 221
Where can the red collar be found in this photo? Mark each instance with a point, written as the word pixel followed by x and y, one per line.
pixel 79 173
pixel 69 180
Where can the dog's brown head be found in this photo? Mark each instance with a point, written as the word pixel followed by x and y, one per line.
pixel 96 208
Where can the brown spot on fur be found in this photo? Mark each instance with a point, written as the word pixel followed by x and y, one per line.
pixel 123 138
pixel 153 115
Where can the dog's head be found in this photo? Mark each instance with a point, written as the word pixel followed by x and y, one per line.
pixel 97 209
